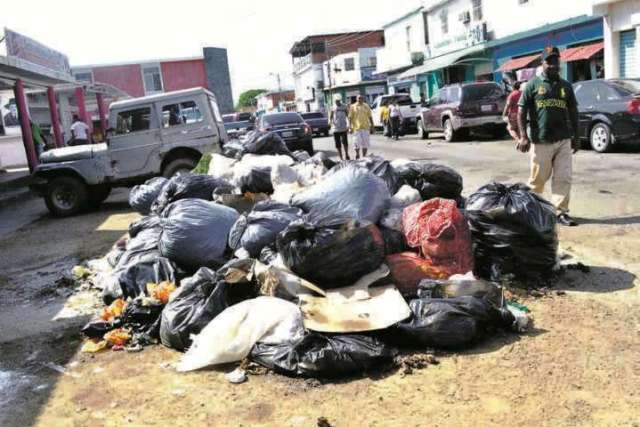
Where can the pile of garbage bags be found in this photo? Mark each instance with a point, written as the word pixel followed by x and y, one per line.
pixel 317 269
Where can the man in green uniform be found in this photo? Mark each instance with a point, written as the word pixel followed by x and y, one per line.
pixel 550 106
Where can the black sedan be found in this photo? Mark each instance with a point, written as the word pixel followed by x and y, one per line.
pixel 318 122
pixel 291 127
pixel 609 112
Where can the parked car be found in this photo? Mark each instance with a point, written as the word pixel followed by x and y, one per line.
pixel 460 108
pixel 291 127
pixel 164 134
pixel 408 109
pixel 609 112
pixel 318 121
pixel 237 124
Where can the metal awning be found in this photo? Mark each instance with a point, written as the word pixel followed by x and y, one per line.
pixel 439 62
pixel 33 75
pixel 581 52
pixel 517 63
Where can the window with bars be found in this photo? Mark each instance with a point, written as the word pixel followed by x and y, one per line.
pixel 349 64
pixel 152 80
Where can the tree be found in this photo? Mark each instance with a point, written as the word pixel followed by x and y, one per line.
pixel 247 98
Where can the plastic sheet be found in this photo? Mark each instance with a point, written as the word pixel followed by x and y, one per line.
pixel 514 232
pixel 331 254
pixel 324 355
pixel 351 192
pixel 260 227
pixel 142 196
pixel 195 232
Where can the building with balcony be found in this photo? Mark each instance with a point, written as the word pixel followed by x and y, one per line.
pixel 351 74
pixel 309 54
pixel 621 27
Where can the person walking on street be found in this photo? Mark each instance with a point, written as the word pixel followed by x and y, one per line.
pixel 384 119
pixel 361 125
pixel 550 104
pixel 39 139
pixel 395 116
pixel 510 112
pixel 79 132
pixel 338 119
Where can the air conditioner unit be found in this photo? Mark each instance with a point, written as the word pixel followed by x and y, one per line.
pixel 465 17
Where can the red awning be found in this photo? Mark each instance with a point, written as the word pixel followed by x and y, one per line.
pixel 517 63
pixel 581 52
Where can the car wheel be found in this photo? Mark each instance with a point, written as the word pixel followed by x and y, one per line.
pixel 66 196
pixel 601 138
pixel 178 167
pixel 450 134
pixel 422 134
pixel 98 194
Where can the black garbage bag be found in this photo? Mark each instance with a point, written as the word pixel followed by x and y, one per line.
pixel 331 254
pixel 144 223
pixel 431 180
pixel 142 196
pixel 199 299
pixel 190 186
pixel 324 355
pixel 268 254
pixel 260 227
pixel 97 328
pixel 233 149
pixel 488 291
pixel 256 180
pixel 152 268
pixel 377 166
pixel 195 232
pixel 394 241
pixel 351 193
pixel 454 323
pixel 142 317
pixel 265 143
pixel 513 232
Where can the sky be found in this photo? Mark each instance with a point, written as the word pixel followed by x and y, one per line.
pixel 257 34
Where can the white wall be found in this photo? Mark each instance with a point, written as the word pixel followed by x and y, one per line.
pixel 395 53
pixel 508 17
pixel 618 16
pixel 304 82
pixel 343 77
pixel 456 36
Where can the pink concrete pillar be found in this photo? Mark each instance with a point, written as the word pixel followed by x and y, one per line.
pixel 82 110
pixel 55 118
pixel 102 111
pixel 23 115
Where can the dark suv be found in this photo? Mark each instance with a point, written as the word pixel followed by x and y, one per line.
pixel 291 127
pixel 460 108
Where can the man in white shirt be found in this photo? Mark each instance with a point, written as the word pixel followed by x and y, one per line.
pixel 79 132
pixel 395 116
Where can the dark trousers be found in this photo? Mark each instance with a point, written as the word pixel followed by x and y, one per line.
pixel 395 127
pixel 341 140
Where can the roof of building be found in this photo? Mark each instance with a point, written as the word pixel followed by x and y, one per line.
pixel 328 36
pixel 403 17
pixel 159 96
pixel 146 61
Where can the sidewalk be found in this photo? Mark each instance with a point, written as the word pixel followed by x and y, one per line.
pixel 14 185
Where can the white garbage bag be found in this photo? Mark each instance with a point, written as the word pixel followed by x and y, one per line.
pixel 405 196
pixel 231 335
pixel 221 166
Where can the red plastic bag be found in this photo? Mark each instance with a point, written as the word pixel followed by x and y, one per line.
pixel 441 232
pixel 408 269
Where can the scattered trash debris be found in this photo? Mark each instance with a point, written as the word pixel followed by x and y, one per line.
pixel 237 376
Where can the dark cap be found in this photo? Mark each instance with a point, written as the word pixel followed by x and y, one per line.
pixel 550 51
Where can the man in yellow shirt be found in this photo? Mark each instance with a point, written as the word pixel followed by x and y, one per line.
pixel 360 124
pixel 384 119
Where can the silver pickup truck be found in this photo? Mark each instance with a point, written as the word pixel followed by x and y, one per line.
pixel 164 134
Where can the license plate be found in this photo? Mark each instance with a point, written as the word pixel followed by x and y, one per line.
pixel 287 134
pixel 485 108
pixel 315 129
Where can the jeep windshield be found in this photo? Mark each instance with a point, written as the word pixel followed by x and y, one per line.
pixel 482 91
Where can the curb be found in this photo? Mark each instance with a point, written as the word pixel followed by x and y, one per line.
pixel 14 196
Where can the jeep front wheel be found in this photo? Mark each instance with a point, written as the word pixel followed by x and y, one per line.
pixel 66 196
pixel 178 167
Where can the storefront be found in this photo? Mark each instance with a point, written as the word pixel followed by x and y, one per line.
pixel 580 41
pixel 370 90
pixel 621 25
